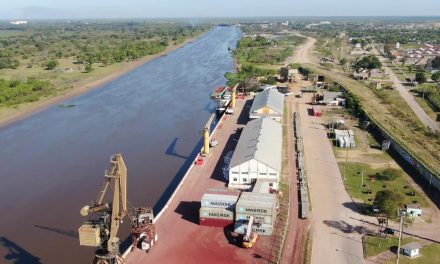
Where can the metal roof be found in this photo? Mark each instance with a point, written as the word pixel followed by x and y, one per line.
pixel 412 246
pixel 271 98
pixel 261 140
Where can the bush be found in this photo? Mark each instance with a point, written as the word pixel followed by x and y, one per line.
pixel 420 77
pixel 51 65
pixel 388 175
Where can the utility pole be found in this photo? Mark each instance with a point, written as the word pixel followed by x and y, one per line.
pixel 346 160
pixel 362 179
pixel 401 215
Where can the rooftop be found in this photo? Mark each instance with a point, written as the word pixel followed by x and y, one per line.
pixel 413 206
pixel 412 246
pixel 261 140
pixel 271 98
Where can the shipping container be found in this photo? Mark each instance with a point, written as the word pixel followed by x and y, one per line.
pixel 219 213
pixel 262 219
pixel 215 200
pixel 263 229
pixel 215 222
pixel 256 204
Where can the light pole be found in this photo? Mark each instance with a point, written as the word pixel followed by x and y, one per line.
pixel 401 213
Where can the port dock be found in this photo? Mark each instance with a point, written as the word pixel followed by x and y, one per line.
pixel 181 238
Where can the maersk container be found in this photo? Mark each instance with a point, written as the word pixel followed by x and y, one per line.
pixel 262 219
pixel 263 229
pixel 215 222
pixel 219 200
pixel 218 213
pixel 256 204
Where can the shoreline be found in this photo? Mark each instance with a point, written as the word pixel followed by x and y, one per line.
pixel 10 115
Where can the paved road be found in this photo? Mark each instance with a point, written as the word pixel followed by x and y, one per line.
pixel 337 237
pixel 408 97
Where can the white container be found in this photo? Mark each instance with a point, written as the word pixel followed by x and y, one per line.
pixel 219 200
pixel 217 213
pixel 256 204
pixel 262 219
pixel 264 229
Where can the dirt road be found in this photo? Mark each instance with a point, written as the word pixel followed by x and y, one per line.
pixel 302 54
pixel 409 98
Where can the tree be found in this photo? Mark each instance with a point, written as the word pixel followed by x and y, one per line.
pixel 388 202
pixel 435 63
pixel 88 67
pixel 436 77
pixel 420 77
pixel 51 65
pixel 368 62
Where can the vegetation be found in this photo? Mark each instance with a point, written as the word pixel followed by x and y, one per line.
pixel 62 55
pixel 431 93
pixel 368 62
pixel 358 189
pixel 436 77
pixel 374 245
pixel 51 65
pixel 260 50
pixel 428 254
pixel 396 119
pixel 420 77
pixel 16 92
pixel 249 71
pixel 104 43
pixel 388 202
pixel 435 63
pixel 258 56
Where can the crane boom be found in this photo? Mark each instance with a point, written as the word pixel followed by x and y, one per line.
pixel 102 233
pixel 249 227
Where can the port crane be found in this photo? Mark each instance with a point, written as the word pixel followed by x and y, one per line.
pixel 102 231
pixel 249 237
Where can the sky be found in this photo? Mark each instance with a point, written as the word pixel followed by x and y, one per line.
pixel 65 9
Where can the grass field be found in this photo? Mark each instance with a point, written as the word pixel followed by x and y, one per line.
pixel 353 183
pixel 375 245
pixel 429 254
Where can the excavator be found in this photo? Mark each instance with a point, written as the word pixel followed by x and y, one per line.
pixel 101 231
pixel 250 238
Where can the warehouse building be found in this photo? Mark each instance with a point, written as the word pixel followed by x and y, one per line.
pixel 268 103
pixel 257 155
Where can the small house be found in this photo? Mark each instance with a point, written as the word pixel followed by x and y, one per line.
pixel 411 250
pixel 413 210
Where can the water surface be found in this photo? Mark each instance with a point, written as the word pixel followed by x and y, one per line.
pixel 52 163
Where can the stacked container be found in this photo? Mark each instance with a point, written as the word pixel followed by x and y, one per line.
pixel 217 208
pixel 263 206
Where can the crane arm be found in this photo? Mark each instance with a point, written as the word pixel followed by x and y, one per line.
pixel 119 173
pixel 249 227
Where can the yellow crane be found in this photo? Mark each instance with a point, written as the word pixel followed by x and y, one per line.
pixel 102 232
pixel 250 237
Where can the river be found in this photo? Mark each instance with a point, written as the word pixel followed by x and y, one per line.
pixel 52 163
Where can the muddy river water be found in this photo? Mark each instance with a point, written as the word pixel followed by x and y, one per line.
pixel 52 163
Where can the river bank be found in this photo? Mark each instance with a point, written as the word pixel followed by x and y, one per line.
pixel 13 114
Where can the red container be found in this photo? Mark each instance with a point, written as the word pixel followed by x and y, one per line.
pixel 215 222
pixel 317 111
